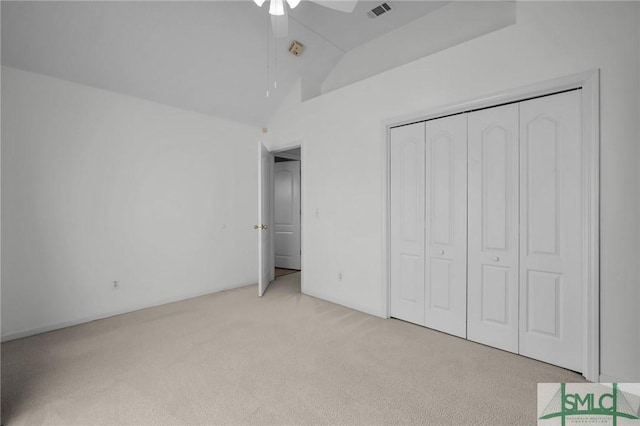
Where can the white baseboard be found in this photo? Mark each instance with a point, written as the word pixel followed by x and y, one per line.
pixel 604 378
pixel 78 321
pixel 361 308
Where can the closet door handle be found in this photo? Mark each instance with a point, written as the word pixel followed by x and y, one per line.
pixel 441 252
pixel 496 259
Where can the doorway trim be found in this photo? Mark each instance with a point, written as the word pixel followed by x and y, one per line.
pixel 589 82
pixel 294 145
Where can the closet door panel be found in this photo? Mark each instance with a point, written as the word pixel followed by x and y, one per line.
pixel 551 223
pixel 407 223
pixel 446 227
pixel 493 227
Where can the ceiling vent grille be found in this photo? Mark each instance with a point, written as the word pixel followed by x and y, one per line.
pixel 379 10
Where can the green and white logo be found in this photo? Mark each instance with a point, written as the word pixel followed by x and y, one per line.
pixel 587 403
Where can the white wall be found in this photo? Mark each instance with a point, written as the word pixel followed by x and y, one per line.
pixel 342 139
pixel 638 124
pixel 1 417
pixel 98 187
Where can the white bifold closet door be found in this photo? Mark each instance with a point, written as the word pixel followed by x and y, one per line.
pixel 487 226
pixel 493 227
pixel 446 225
pixel 428 223
pixel 551 229
pixel 407 223
pixel 526 228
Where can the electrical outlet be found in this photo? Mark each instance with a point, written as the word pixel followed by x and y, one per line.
pixel 339 276
pixel 116 285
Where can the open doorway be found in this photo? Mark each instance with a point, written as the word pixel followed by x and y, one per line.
pixel 286 213
pixel 279 218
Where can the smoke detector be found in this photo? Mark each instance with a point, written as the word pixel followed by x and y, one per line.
pixel 379 10
pixel 296 48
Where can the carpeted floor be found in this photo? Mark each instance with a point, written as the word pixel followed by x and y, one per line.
pixel 232 358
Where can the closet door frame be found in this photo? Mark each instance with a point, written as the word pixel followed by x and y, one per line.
pixel 589 83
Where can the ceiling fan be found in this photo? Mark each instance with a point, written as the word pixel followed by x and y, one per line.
pixel 278 11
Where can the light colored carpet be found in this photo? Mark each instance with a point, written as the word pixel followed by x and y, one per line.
pixel 232 358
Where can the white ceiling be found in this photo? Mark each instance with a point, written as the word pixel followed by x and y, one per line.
pixel 205 56
pixel 349 30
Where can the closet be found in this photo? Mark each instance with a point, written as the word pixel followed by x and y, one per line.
pixel 487 224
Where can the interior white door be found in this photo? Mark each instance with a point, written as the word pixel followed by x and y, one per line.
pixel 446 225
pixel 265 263
pixel 551 229
pixel 493 227
pixel 286 220
pixel 407 217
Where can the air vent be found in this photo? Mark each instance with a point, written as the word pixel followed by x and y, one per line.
pixel 379 10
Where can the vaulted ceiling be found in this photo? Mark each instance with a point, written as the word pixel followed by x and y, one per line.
pixel 205 56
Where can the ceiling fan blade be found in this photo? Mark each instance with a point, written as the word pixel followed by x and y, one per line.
pixel 280 25
pixel 341 5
